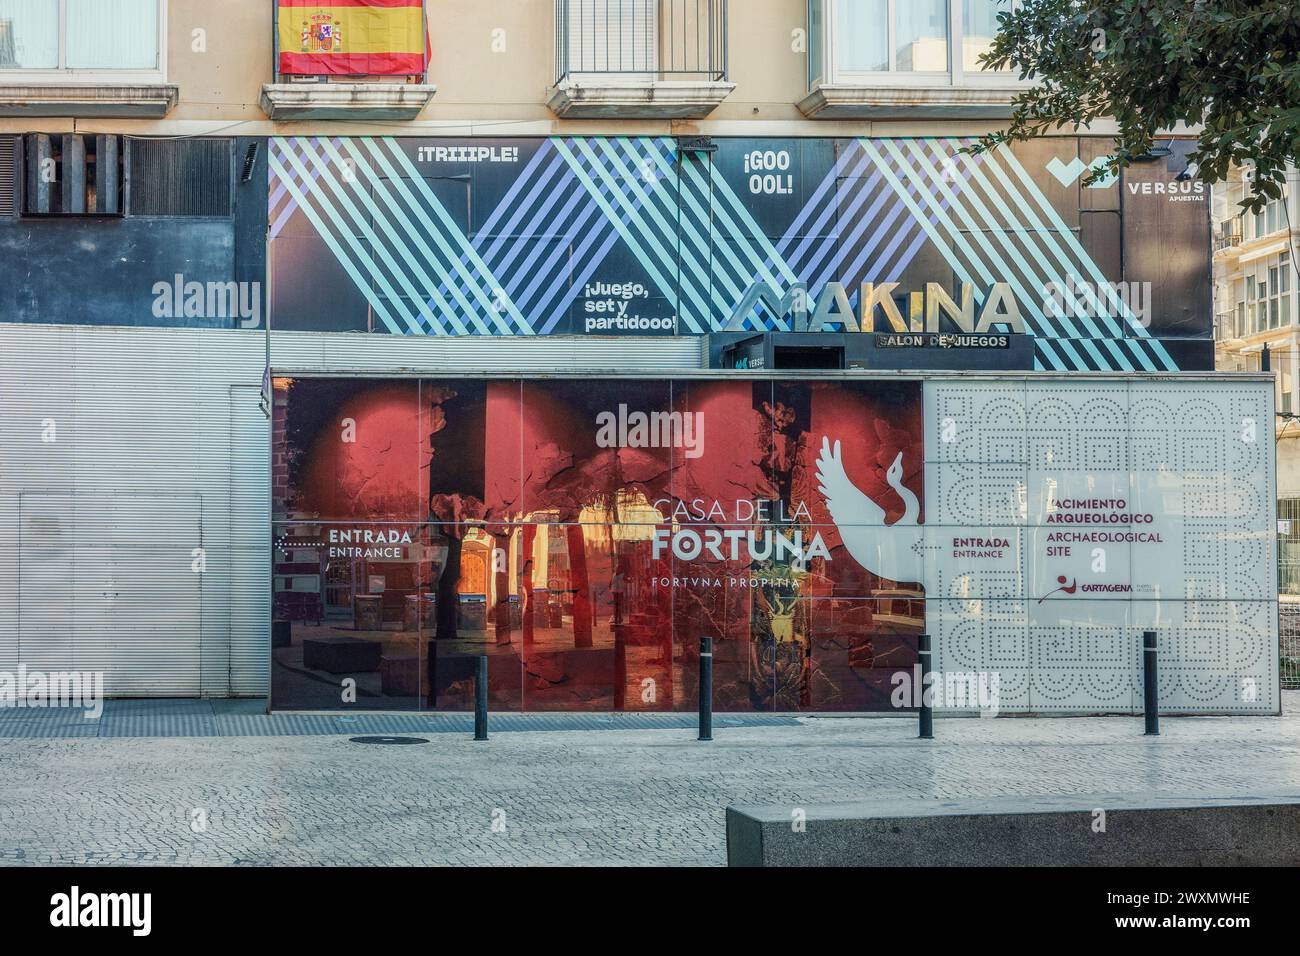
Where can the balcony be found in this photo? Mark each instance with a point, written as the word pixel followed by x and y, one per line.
pixel 1227 234
pixel 367 100
pixel 643 59
pixel 348 63
pixel 906 59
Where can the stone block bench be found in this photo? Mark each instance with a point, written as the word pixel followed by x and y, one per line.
pixel 1021 831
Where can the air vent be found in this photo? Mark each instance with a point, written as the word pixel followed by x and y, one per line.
pixel 8 175
pixel 179 177
pixel 72 175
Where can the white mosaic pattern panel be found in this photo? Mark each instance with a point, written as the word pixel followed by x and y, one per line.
pixel 1123 505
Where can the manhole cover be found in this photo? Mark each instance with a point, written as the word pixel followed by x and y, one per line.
pixel 389 740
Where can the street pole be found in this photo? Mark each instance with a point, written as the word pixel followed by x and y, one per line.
pixel 706 688
pixel 927 712
pixel 1150 689
pixel 480 699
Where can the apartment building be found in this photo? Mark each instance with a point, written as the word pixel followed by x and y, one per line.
pixel 460 228
pixel 1257 309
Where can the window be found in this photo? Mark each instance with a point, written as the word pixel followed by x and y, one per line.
pixel 921 36
pixel 903 41
pixel 1269 220
pixel 85 36
pixel 979 26
pixel 861 46
pixel 1269 297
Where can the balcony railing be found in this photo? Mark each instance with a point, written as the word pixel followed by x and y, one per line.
pixel 641 39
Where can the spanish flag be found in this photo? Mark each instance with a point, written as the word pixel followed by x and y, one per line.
pixel 352 37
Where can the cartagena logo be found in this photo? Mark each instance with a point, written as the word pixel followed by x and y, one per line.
pixel 1066 586
pixel 1071 586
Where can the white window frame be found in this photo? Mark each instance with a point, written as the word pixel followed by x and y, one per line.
pixel 63 76
pixel 1259 224
pixel 1262 299
pixel 956 75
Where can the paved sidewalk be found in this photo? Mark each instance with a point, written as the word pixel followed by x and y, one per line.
pixel 248 718
pixel 643 796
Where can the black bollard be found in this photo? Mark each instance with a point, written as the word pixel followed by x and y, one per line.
pixel 1150 690
pixel 926 712
pixel 706 688
pixel 480 699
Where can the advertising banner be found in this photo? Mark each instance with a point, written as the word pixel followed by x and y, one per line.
pixel 902 240
pixel 351 37
pixel 585 534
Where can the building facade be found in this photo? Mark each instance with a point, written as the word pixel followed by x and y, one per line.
pixel 1257 306
pixel 259 224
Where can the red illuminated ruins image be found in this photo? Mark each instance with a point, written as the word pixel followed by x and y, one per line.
pixel 585 535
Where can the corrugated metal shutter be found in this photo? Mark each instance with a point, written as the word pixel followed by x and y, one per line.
pixel 614 36
pixel 344 352
pixel 8 175
pixel 179 177
pixel 105 585
pixel 157 447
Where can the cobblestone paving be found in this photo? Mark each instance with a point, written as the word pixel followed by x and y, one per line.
pixel 614 797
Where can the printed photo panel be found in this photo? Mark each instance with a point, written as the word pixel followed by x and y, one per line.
pixel 352 614
pixel 592 452
pixel 347 449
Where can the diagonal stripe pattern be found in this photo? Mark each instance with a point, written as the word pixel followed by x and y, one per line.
pixel 577 200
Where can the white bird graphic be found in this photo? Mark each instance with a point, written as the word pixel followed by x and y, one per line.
pixel 892 551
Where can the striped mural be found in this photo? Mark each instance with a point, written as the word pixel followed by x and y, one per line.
pixel 628 235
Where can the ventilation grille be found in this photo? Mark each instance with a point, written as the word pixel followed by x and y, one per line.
pixel 179 177
pixel 8 175
pixel 72 174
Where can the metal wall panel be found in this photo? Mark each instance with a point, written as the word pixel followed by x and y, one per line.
pixel 125 450
pixel 345 352
pixel 1066 517
pixel 157 446
pixel 105 584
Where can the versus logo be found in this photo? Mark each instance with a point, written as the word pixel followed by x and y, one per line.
pixel 624 429
pixel 1183 190
pixel 1067 174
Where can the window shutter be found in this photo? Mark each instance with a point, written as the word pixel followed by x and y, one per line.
pixel 614 36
